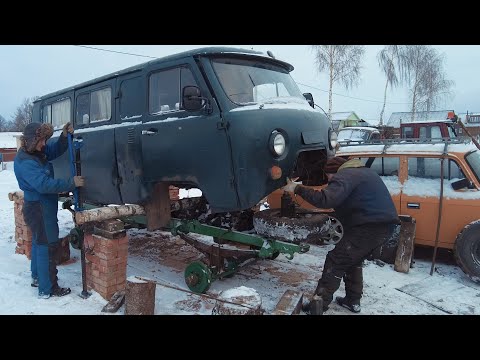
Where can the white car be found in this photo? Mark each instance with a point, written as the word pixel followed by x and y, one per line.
pixel 357 134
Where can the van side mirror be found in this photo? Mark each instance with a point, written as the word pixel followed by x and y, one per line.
pixel 461 184
pixel 309 98
pixel 192 99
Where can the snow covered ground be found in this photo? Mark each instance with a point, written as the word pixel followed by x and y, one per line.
pixel 163 257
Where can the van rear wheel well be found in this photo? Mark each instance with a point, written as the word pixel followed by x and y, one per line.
pixel 467 250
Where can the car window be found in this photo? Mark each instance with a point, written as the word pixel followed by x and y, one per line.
pixel 473 159
pixel 383 166
pixel 430 168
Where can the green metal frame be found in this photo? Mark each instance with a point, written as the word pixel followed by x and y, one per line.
pixel 198 277
pixel 267 248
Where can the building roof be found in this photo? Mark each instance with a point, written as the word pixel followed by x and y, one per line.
pixel 398 118
pixel 338 116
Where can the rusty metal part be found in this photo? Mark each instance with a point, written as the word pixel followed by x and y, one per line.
pixel 306 226
pixel 219 251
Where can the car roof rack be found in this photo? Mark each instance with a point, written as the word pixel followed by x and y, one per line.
pixel 410 141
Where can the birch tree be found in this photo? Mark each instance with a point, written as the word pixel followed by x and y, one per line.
pixel 426 76
pixel 342 63
pixel 435 87
pixel 391 61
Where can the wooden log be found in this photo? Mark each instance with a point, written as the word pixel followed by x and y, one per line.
pixel 140 296
pixel 405 248
pixel 289 304
pixel 158 208
pixel 238 301
pixel 107 213
pixel 115 302
pixel 15 196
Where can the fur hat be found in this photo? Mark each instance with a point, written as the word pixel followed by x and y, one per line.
pixel 332 165
pixel 33 133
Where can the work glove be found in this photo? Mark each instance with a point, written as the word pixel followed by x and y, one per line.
pixel 79 181
pixel 67 128
pixel 290 187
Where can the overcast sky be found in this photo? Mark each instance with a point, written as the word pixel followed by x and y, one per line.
pixel 35 70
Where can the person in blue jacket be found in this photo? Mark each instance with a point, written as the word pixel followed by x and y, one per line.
pixel 35 177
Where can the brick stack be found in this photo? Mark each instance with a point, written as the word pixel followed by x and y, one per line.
pixel 23 235
pixel 106 252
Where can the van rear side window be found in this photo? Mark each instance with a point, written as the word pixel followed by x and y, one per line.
pixel 94 107
pixel 58 113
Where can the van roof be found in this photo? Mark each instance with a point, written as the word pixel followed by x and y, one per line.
pixel 448 121
pixel 206 51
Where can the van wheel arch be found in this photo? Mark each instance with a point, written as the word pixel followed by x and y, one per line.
pixel 467 250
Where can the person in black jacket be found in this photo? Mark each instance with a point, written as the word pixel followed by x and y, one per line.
pixel 365 208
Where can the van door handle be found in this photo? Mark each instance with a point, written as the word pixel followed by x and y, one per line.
pixel 413 205
pixel 150 132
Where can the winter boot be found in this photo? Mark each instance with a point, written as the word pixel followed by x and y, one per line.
pixel 59 291
pixel 314 306
pixel 348 304
pixel 34 282
pixel 43 296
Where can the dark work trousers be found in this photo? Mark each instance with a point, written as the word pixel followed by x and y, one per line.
pixel 346 259
pixel 42 221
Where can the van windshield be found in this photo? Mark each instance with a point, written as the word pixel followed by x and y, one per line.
pixel 252 81
pixel 473 159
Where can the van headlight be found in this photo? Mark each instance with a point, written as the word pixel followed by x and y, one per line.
pixel 277 143
pixel 332 139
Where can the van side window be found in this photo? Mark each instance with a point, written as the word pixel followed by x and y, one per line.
pixel 131 99
pixel 429 168
pixel 407 132
pixel 165 89
pixel 82 116
pixel 101 105
pixel 383 166
pixel 58 113
pixel 47 114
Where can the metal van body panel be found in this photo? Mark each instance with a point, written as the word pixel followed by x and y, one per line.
pixel 253 159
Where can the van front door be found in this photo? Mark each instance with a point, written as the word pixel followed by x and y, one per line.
pixel 186 148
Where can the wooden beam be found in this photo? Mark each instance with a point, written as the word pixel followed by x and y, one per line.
pixel 158 208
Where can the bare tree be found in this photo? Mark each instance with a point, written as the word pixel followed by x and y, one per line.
pixel 23 115
pixel 435 87
pixel 3 124
pixel 426 76
pixel 417 58
pixel 343 64
pixel 391 60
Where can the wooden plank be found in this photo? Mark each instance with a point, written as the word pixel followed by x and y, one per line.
pixel 158 208
pixel 289 304
pixel 405 248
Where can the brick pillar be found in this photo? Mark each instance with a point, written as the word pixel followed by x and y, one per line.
pixel 106 252
pixel 23 235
